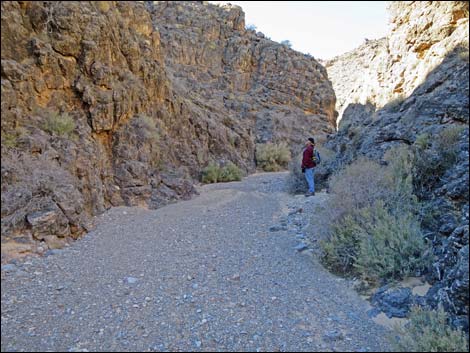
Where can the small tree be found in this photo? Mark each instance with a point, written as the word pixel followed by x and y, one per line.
pixel 287 43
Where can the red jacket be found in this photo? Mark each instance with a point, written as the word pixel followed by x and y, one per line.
pixel 307 158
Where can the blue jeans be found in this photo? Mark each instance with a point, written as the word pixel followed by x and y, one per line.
pixel 309 173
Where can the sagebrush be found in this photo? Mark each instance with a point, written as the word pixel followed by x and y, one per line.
pixel 272 157
pixel 432 157
pixel 429 331
pixel 213 173
pixel 370 225
pixel 59 124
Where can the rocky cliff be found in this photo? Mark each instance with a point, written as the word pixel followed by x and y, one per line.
pixel 421 35
pixel 122 103
pixel 411 88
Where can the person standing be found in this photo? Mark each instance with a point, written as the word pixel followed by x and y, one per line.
pixel 310 159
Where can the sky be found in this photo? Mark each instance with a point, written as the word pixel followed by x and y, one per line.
pixel 323 29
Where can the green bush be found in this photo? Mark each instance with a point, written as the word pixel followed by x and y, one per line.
pixel 391 246
pixel 9 140
pixel 370 224
pixel 394 104
pixel 428 331
pixel 376 244
pixel 340 250
pixel 210 174
pixel 432 158
pixel 230 173
pixel 272 157
pixel 59 124
pixel 213 173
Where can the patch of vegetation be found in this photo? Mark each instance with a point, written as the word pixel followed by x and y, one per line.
pixel 394 104
pixel 272 157
pixel 230 173
pixel 376 230
pixel 59 124
pixel 213 173
pixel 429 331
pixel 210 174
pixel 391 246
pixel 433 157
pixel 9 140
pixel 287 43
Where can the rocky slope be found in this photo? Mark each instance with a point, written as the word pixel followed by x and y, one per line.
pixel 122 103
pixel 421 35
pixel 412 84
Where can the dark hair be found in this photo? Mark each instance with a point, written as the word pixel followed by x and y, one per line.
pixel 311 140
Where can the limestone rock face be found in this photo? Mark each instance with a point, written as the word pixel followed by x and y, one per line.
pixel 249 81
pixel 412 83
pixel 123 103
pixel 422 34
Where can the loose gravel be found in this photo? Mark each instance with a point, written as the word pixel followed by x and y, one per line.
pixel 229 270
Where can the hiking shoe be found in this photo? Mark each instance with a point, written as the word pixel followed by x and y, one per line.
pixel 310 194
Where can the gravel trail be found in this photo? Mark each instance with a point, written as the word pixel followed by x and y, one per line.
pixel 225 271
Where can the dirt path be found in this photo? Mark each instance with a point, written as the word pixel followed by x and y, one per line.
pixel 217 273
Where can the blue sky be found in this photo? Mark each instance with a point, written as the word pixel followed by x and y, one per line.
pixel 322 28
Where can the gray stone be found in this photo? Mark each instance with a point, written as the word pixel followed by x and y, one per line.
pixel 394 302
pixel 332 336
pixel 8 268
pixel 301 247
pixel 131 280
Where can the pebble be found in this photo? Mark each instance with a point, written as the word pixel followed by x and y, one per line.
pixel 131 280
pixel 300 247
pixel 8 268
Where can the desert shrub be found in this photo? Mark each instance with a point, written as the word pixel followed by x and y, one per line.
pixel 394 104
pixel 230 173
pixel 376 244
pixel 432 158
pixel 210 174
pixel 213 173
pixel 447 144
pixel 103 6
pixel 357 186
pixel 399 179
pixel 340 250
pixel 429 331
pixel 287 43
pixel 370 224
pixel 272 157
pixel 391 246
pixel 59 124
pixel 9 139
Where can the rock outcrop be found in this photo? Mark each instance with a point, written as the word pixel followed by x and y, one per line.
pixel 122 103
pixel 412 88
pixel 388 70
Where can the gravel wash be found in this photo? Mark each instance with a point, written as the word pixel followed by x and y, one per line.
pixel 221 272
